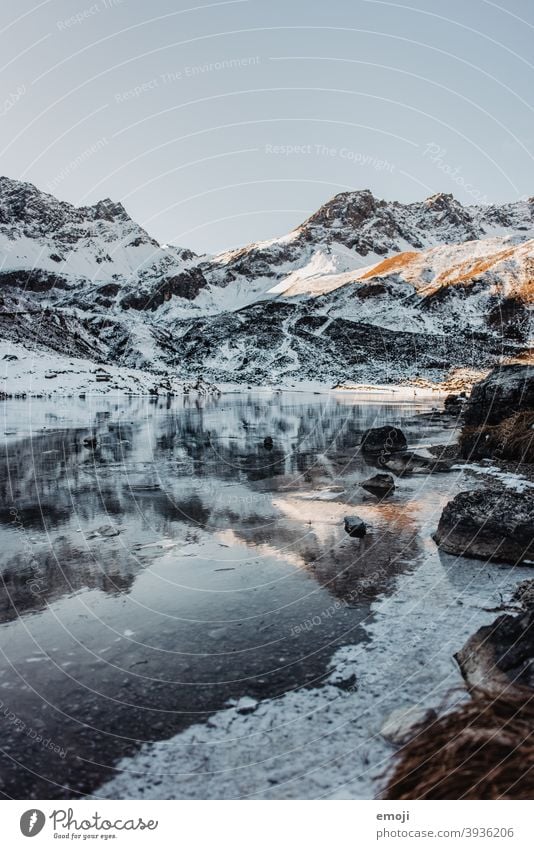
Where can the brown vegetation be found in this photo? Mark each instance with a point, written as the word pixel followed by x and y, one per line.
pixel 392 263
pixel 482 750
pixel 511 439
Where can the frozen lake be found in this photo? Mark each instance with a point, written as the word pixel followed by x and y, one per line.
pixel 167 560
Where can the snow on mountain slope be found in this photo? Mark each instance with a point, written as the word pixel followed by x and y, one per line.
pixel 325 265
pixel 364 289
pixel 48 246
pixel 504 266
pixel 36 373
pixel 351 232
pixel 105 259
pixel 502 261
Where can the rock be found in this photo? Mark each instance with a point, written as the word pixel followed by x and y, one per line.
pixel 405 722
pixel 380 485
pixel 108 531
pixel 346 681
pixel 499 415
pixel 355 527
pixel 246 705
pixel 453 404
pixel 411 463
pixel 479 750
pixel 500 655
pixel 524 594
pixel 494 525
pixel 506 390
pixel 268 443
pixel 141 484
pixel 387 439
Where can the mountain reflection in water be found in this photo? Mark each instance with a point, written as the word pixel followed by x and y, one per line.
pixel 158 558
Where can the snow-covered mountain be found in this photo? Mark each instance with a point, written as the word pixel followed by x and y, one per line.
pixel 364 289
pixel 48 246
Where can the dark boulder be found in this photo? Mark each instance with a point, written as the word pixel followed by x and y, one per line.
pixel 355 527
pixel 490 524
pixel 454 404
pixel 524 594
pixel 499 415
pixel 411 463
pixel 386 440
pixel 380 485
pixel 506 390
pixel 500 655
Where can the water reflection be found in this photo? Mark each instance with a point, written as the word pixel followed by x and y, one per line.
pixel 206 468
pixel 158 557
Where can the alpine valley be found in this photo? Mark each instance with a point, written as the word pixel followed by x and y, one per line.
pixel 363 291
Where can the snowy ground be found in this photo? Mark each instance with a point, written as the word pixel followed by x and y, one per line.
pixel 325 742
pixel 43 374
pixel 38 373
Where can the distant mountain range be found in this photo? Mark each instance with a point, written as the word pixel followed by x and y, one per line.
pixel 363 290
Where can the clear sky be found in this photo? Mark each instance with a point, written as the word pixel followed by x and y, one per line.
pixel 221 123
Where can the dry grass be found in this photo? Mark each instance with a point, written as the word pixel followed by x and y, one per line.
pixel 471 268
pixel 525 358
pixel 392 263
pixel 513 269
pixel 511 439
pixel 483 750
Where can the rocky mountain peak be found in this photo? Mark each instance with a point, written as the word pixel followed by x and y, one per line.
pixel 108 210
pixel 25 211
pixel 442 201
pixel 441 198
pixel 364 287
pixel 345 208
pixel 23 205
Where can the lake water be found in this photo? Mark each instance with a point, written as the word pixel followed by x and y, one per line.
pixel 161 558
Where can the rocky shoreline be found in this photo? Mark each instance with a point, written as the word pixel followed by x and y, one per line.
pixel 485 743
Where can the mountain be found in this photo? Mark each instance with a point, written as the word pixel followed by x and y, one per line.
pixel 363 290
pixel 51 246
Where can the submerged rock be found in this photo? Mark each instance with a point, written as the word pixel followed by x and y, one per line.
pixel 380 485
pixel 108 531
pixel 355 527
pixel 405 722
pixel 386 439
pixel 490 524
pixel 411 463
pixel 500 655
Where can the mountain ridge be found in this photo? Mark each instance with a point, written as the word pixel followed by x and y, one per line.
pixel 457 278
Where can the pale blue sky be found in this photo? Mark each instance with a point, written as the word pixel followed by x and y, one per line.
pixel 250 114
